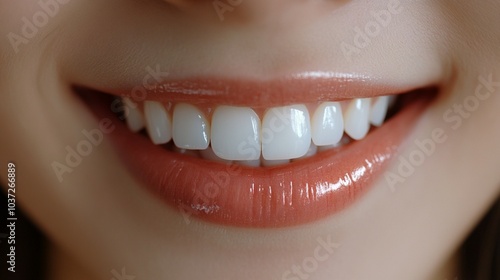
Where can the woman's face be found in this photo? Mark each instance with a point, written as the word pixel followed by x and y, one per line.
pixel 393 204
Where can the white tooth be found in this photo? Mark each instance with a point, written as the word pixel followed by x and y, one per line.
pixel 379 110
pixel 191 129
pixel 357 118
pixel 286 132
pixel 327 124
pixel 158 122
pixel 249 163
pixel 209 154
pixel 236 133
pixel 270 163
pixel 135 120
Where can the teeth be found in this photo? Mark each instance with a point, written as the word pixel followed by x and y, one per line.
pixel 379 110
pixel 135 121
pixel 191 129
pixel 327 124
pixel 158 122
pixel 357 118
pixel 286 132
pixel 236 133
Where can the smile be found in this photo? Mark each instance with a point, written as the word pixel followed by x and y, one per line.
pixel 261 153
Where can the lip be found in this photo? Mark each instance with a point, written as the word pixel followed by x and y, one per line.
pixel 299 88
pixel 297 193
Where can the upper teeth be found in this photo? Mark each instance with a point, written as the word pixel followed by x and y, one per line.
pixel 327 124
pixel 357 118
pixel 239 134
pixel 286 132
pixel 158 122
pixel 236 133
pixel 191 129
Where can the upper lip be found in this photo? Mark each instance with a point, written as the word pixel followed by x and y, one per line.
pixel 298 88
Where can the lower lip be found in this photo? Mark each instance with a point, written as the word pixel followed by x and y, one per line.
pixel 289 195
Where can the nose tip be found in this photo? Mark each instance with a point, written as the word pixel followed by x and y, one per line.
pixel 257 10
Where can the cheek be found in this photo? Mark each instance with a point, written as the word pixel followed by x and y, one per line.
pixel 12 12
pixel 23 20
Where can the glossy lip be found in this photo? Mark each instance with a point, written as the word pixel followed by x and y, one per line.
pixel 289 195
pixel 299 88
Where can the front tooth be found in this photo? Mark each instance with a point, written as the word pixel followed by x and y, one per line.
pixel 379 110
pixel 286 132
pixel 327 124
pixel 236 133
pixel 135 120
pixel 357 118
pixel 191 129
pixel 158 122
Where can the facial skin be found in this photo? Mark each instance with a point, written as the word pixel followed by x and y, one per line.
pixel 101 220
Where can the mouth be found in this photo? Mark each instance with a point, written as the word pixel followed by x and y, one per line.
pixel 260 154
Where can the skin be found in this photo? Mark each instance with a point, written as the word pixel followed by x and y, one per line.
pixel 100 220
